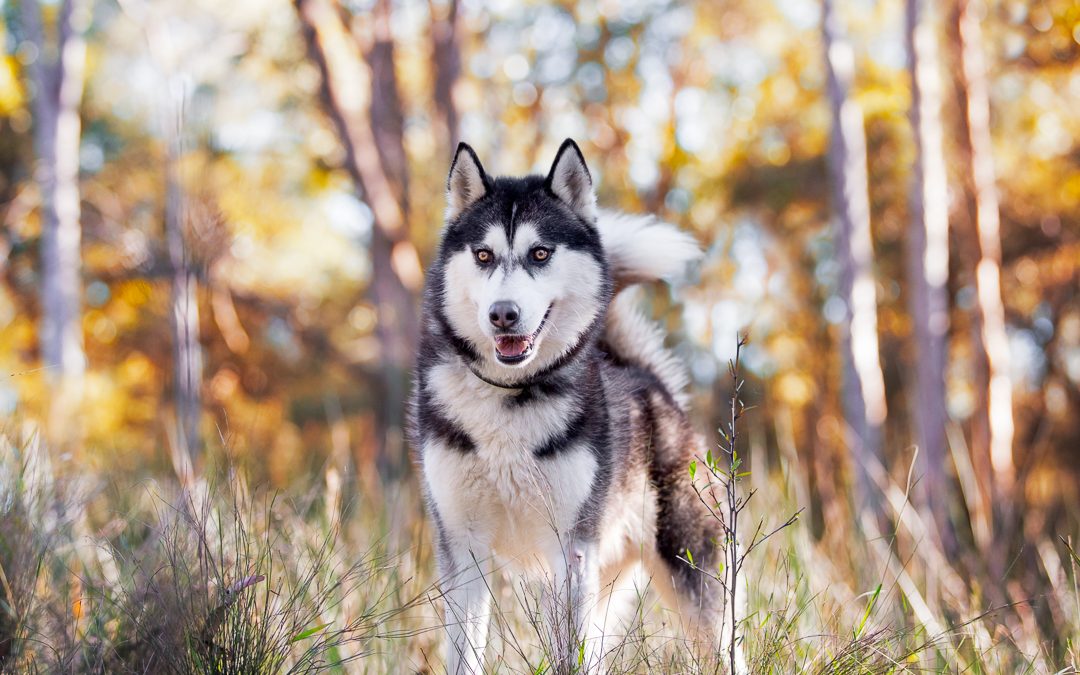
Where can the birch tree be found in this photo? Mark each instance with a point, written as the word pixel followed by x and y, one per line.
pixel 864 387
pixel 928 260
pixel 993 436
pixel 58 90
pixel 184 302
pixel 176 66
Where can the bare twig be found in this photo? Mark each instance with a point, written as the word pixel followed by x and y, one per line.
pixel 728 510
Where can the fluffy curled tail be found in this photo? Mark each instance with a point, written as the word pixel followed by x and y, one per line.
pixel 644 248
pixel 641 249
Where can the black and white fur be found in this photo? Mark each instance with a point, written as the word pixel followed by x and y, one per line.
pixel 570 459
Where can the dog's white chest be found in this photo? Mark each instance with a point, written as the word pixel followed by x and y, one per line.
pixel 500 492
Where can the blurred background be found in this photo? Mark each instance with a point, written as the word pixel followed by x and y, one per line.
pixel 216 217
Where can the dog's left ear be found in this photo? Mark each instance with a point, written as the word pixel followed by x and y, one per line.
pixel 570 181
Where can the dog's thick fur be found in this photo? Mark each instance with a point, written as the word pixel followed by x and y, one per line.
pixel 555 436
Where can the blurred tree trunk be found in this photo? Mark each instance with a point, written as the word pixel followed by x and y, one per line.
pixel 397 337
pixel 387 118
pixel 864 385
pixel 446 62
pixel 992 426
pixel 185 438
pixel 184 309
pixel 363 103
pixel 58 94
pixel 928 264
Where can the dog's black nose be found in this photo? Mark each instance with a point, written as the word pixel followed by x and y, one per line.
pixel 503 314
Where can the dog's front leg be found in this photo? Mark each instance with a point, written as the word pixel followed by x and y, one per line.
pixel 468 604
pixel 570 602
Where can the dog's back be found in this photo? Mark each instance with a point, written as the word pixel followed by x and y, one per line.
pixel 647 381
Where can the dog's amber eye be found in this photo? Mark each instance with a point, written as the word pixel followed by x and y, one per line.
pixel 540 254
pixel 483 256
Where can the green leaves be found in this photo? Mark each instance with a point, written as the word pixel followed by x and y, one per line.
pixel 857 633
pixel 308 633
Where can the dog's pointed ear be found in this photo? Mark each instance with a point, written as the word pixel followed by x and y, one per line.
pixel 570 181
pixel 466 183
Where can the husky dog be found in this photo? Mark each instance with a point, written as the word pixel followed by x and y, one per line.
pixel 547 416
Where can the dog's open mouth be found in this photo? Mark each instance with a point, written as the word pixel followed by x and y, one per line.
pixel 517 348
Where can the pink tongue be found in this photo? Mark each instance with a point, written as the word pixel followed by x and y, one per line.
pixel 511 345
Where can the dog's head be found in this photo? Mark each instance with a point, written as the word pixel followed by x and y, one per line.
pixel 523 271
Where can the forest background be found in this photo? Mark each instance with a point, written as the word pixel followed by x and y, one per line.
pixel 216 217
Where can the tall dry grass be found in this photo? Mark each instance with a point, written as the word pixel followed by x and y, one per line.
pixel 211 578
pixel 223 577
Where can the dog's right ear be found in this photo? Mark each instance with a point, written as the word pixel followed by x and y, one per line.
pixel 466 183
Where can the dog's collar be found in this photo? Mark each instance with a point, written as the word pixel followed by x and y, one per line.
pixel 525 385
